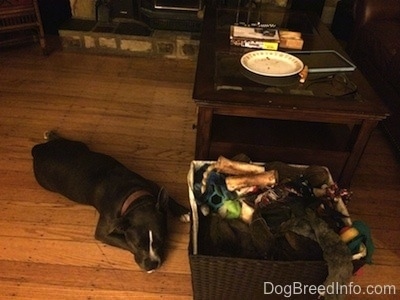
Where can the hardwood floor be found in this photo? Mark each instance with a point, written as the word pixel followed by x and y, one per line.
pixel 140 111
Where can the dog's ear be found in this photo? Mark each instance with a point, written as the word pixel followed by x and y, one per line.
pixel 162 200
pixel 119 226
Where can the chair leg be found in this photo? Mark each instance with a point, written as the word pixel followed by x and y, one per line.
pixel 42 39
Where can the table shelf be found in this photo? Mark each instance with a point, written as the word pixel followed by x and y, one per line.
pixel 288 141
pixel 281 133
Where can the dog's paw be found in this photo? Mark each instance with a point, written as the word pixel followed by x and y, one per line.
pixel 185 218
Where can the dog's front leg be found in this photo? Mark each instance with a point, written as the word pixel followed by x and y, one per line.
pixel 108 233
pixel 179 210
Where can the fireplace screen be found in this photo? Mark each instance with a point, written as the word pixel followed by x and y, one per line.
pixel 178 4
pixel 157 14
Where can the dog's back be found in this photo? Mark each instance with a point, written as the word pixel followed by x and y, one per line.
pixel 71 169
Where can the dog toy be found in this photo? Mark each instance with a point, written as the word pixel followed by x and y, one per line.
pixel 231 209
pixel 358 239
pixel 216 193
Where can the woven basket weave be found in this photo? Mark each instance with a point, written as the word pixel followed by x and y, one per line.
pixel 238 278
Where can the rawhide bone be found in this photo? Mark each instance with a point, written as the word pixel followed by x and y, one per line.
pixel 267 178
pixel 230 167
pixel 315 175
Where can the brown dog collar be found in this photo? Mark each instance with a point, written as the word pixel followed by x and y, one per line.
pixel 132 198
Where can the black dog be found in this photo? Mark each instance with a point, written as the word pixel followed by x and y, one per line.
pixel 133 210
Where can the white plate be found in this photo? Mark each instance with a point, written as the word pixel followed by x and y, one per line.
pixel 271 63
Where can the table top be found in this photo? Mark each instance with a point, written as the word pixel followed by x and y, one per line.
pixel 221 82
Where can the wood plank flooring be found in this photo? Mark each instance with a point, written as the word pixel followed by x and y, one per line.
pixel 140 111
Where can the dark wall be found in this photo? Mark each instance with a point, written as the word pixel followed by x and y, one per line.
pixel 54 13
pixel 315 6
pixel 342 24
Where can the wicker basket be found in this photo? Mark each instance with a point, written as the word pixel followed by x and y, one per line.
pixel 237 278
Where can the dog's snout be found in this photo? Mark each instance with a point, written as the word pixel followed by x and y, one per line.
pixel 151 265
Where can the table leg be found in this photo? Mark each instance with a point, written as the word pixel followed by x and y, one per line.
pixel 357 150
pixel 203 136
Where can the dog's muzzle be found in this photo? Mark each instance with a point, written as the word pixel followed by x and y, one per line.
pixel 152 261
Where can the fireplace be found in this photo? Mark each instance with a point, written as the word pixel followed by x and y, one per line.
pixel 116 10
pixel 157 14
pixel 162 28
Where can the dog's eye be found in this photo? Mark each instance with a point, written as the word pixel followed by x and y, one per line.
pixel 142 242
pixel 134 239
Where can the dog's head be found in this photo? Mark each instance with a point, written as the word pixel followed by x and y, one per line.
pixel 147 241
pixel 145 230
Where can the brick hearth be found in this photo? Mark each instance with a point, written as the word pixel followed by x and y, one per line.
pixel 127 39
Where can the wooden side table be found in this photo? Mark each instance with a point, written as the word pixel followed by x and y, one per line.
pixel 18 16
pixel 289 122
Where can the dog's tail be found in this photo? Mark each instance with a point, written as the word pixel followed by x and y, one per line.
pixel 50 135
